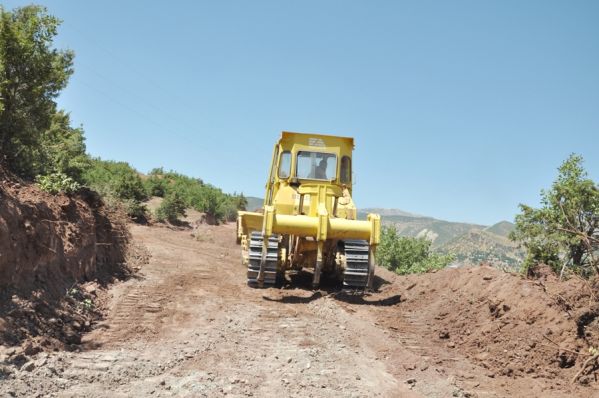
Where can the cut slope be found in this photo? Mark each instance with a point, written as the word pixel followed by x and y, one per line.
pixel 53 240
pixel 48 244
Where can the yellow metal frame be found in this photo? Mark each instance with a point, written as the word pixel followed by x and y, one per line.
pixel 307 207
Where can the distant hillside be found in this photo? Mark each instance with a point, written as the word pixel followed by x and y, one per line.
pixel 480 246
pixel 254 203
pixel 438 231
pixel 470 243
pixel 502 228
pixel 388 212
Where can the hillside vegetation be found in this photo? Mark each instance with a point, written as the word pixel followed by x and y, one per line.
pixel 483 247
pixel 181 192
pixel 37 141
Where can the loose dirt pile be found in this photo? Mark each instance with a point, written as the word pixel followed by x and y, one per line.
pixel 49 244
pixel 510 326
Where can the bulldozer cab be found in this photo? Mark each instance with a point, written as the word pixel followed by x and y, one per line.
pixel 308 160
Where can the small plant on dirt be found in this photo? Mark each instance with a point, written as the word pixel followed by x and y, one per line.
pixel 80 300
pixel 58 182
pixel 406 255
pixel 88 304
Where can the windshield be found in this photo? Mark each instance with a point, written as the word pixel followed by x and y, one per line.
pixel 316 165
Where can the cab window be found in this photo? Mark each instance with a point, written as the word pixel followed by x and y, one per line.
pixel 285 165
pixel 316 165
pixel 346 170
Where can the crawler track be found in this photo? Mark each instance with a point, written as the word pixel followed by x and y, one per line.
pixel 355 275
pixel 271 274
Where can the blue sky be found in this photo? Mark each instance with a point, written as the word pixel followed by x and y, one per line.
pixel 460 110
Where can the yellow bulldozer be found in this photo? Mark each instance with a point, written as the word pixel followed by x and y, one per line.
pixel 308 220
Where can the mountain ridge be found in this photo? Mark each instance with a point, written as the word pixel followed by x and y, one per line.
pixel 471 244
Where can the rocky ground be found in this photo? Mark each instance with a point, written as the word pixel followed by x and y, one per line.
pixel 187 325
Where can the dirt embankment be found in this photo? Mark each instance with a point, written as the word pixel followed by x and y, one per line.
pixel 529 331
pixel 49 243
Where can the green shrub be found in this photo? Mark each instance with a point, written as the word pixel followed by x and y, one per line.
pixel 117 180
pixel 134 208
pixel 562 233
pixel 155 183
pixel 229 209
pixel 171 208
pixel 155 186
pixel 63 149
pixel 58 182
pixel 406 255
pixel 212 202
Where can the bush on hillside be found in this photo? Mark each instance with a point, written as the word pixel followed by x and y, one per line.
pixel 63 149
pixel 58 182
pixel 155 183
pixel 115 178
pixel 117 181
pixel 171 208
pixel 407 255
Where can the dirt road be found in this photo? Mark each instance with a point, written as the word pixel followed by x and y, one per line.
pixel 187 325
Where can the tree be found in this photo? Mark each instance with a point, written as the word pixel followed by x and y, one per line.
pixel 32 74
pixel 564 231
pixel 171 208
pixel 118 183
pixel 212 202
pixel 407 255
pixel 156 183
pixel 62 149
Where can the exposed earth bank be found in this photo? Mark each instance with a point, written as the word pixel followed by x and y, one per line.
pixel 48 245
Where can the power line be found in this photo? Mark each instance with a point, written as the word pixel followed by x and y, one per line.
pixel 141 115
pixel 135 71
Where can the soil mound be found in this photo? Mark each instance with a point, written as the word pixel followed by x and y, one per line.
pixel 49 243
pixel 509 325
